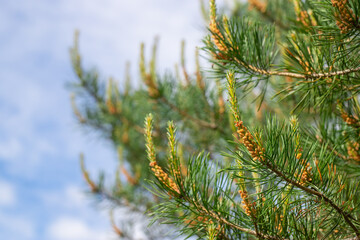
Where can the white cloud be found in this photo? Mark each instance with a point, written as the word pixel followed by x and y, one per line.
pixel 22 114
pixel 69 228
pixel 7 194
pixel 16 227
pixel 75 195
pixel 10 149
pixel 139 232
pixel 71 197
pixel 111 32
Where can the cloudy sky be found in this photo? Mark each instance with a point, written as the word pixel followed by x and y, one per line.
pixel 41 187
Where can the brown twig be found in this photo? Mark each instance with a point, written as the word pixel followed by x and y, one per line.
pixel 304 76
pixel 224 221
pixel 344 214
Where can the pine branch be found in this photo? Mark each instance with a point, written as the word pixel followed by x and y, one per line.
pixel 198 121
pixel 312 75
pixel 345 215
pixel 298 75
pixel 176 187
pixel 257 154
pixel 224 221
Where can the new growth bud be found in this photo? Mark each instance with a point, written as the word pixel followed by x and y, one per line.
pixel 345 17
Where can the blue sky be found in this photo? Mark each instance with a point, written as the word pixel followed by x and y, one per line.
pixel 41 187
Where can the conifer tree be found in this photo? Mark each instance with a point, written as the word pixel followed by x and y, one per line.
pixel 262 144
